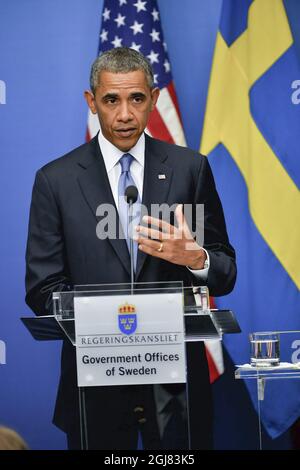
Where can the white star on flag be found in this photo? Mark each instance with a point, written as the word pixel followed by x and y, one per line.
pixel 135 46
pixel 117 42
pixel 106 14
pixel 139 5
pixel 155 15
pixel 155 35
pixel 137 27
pixel 103 35
pixel 153 57
pixel 167 66
pixel 120 20
pixel 122 2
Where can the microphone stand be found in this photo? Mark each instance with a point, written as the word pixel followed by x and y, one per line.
pixel 131 194
pixel 131 252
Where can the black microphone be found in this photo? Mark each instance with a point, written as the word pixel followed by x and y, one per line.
pixel 131 194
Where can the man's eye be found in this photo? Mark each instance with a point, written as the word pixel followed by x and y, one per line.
pixel 109 100
pixel 138 99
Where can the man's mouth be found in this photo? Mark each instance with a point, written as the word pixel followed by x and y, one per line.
pixel 125 132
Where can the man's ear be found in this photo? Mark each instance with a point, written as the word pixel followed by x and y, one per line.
pixel 90 99
pixel 154 96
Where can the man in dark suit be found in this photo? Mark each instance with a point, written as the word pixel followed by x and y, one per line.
pixel 63 249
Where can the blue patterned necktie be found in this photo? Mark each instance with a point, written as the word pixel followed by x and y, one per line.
pixel 126 180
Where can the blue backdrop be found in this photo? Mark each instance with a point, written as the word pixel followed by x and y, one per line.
pixel 46 49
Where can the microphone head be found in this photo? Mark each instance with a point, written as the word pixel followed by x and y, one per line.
pixel 131 194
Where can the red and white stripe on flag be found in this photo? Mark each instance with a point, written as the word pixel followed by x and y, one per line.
pixel 136 24
pixel 214 355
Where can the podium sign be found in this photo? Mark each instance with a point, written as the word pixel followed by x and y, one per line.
pixel 130 339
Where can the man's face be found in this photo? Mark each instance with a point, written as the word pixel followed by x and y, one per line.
pixel 123 102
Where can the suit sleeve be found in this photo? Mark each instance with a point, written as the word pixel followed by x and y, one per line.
pixel 46 265
pixel 222 272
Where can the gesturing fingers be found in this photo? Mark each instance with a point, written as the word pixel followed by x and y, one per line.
pixel 161 224
pixel 182 223
pixel 150 233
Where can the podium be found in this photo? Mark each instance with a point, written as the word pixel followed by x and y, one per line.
pixel 136 338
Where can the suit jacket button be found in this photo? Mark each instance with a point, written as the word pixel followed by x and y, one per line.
pixel 138 409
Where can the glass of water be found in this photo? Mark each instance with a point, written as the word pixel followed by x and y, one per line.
pixel 265 349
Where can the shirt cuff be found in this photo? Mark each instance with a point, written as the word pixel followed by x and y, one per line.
pixel 201 274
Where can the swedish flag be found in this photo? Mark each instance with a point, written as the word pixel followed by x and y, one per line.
pixel 251 132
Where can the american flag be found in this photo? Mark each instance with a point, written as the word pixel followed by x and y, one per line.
pixel 136 24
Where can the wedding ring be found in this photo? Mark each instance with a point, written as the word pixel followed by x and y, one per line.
pixel 161 246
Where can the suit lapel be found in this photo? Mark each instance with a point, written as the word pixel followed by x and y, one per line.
pixel 94 184
pixel 155 190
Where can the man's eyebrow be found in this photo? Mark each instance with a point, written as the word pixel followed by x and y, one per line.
pixel 109 96
pixel 137 94
pixel 134 94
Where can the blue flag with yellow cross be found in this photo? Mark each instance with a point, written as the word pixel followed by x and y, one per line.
pixel 251 134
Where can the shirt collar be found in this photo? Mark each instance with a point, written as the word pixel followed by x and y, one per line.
pixel 111 154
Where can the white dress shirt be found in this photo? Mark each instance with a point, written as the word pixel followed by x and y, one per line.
pixel 111 156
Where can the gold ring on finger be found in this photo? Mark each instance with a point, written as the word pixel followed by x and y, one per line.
pixel 161 246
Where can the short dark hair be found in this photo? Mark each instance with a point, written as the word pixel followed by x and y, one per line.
pixel 120 60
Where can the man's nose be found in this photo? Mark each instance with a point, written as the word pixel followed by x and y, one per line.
pixel 124 112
